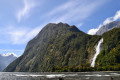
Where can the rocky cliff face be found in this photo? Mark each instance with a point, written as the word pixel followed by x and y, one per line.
pixel 56 45
pixel 108 27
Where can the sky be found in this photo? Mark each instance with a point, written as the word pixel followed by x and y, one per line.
pixel 21 20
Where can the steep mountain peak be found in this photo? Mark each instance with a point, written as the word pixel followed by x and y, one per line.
pixel 56 44
pixel 60 23
pixel 108 27
pixel 9 54
pixel 50 31
pixel 56 29
pixel 65 24
pixel 57 24
pixel 60 26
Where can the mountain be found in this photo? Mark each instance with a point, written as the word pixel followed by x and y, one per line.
pixel 61 47
pixel 56 45
pixel 6 59
pixel 108 27
pixel 110 54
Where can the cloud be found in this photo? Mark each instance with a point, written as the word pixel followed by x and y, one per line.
pixel 70 11
pixel 74 10
pixel 22 35
pixel 92 31
pixel 117 16
pixel 111 19
pixel 106 21
pixel 24 12
pixel 18 35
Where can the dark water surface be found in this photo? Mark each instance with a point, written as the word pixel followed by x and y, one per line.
pixel 60 76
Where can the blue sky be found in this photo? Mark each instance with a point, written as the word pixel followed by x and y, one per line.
pixel 21 20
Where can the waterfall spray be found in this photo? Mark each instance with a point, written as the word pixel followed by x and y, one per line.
pixel 98 49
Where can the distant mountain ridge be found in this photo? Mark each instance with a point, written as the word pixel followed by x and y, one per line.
pixel 9 54
pixel 108 27
pixel 6 59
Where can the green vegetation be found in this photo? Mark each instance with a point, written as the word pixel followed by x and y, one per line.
pixel 83 68
pixel 64 48
pixel 56 44
pixel 110 55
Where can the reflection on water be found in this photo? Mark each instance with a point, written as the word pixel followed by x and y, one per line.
pixel 60 76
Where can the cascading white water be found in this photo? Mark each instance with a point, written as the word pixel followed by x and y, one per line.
pixel 98 49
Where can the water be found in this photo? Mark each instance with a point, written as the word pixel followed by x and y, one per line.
pixel 98 49
pixel 60 76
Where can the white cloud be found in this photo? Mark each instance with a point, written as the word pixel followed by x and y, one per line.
pixel 24 12
pixel 71 11
pixel 64 7
pixel 106 21
pixel 74 10
pixel 92 31
pixel 18 34
pixel 22 35
pixel 117 16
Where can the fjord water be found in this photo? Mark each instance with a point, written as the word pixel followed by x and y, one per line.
pixel 98 49
pixel 60 76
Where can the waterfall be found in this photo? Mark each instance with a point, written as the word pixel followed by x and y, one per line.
pixel 98 49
